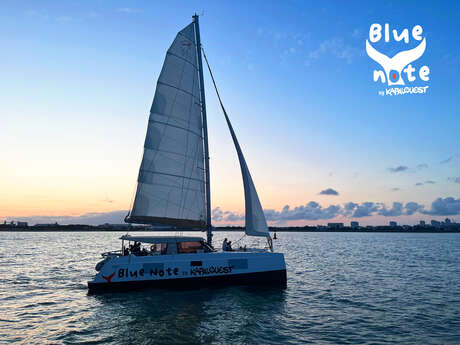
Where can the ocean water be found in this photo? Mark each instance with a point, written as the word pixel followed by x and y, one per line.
pixel 343 288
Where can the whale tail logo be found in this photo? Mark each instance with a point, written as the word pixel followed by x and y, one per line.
pixel 397 62
pixel 109 278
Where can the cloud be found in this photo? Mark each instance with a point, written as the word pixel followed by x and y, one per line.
pixel 218 215
pixel 128 10
pixel 95 218
pixel 41 14
pixel 335 47
pixel 233 217
pixel 395 189
pixel 399 168
pixel 426 182
pixel 395 211
pixel 366 209
pixel 444 207
pixel 445 161
pixel 422 166
pixel 454 179
pixel 328 191
pixel 348 208
pixel 310 211
pixel 412 207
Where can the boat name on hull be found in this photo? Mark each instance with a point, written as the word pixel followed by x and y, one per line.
pixel 197 271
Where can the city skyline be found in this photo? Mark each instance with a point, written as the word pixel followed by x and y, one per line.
pixel 296 82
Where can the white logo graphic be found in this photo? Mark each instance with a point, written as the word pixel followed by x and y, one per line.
pixel 398 69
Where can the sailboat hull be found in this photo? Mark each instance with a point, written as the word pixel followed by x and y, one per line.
pixel 189 271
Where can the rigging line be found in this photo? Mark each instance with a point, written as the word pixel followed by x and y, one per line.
pixel 243 165
pixel 240 239
pixel 230 127
pixel 214 82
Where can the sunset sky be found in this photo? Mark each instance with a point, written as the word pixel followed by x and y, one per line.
pixel 78 78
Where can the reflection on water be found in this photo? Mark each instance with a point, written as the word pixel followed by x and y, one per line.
pixel 199 316
pixel 342 288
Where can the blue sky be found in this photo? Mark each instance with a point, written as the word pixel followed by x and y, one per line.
pixel 79 77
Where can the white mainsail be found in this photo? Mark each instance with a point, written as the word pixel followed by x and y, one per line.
pixel 171 181
pixel 255 222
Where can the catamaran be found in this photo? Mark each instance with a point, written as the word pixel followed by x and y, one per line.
pixel 173 189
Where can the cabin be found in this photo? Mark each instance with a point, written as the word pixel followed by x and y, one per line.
pixel 163 245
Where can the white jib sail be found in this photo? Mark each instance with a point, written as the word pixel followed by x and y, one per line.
pixel 171 186
pixel 256 224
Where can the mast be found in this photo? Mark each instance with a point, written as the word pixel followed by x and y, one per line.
pixel 205 131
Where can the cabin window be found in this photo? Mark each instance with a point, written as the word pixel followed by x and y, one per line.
pixel 159 248
pixel 189 247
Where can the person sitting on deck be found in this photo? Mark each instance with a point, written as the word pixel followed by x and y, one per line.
pixel 227 246
pixel 136 249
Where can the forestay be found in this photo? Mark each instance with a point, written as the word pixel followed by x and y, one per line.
pixel 171 186
pixel 255 222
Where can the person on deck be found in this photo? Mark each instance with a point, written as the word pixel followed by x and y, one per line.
pixel 225 245
pixel 136 250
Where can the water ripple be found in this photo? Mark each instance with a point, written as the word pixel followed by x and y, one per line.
pixel 342 288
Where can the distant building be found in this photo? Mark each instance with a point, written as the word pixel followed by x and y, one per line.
pixel 435 223
pixel 422 223
pixel 335 225
pixel 448 221
pixel 354 225
pixel 22 224
pixel 393 224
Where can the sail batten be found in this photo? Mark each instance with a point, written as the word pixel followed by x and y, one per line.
pixel 171 183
